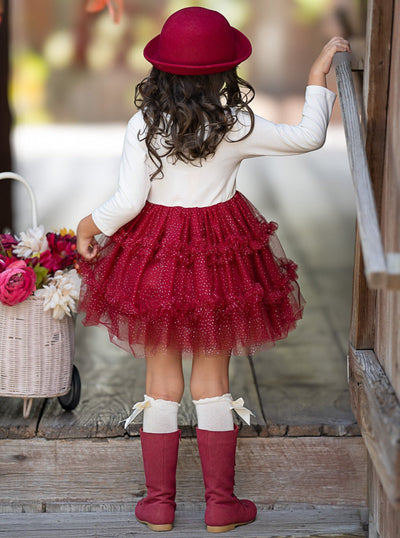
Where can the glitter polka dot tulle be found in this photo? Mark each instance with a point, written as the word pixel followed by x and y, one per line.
pixel 196 279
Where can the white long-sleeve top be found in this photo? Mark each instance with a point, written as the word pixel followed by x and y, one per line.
pixel 214 181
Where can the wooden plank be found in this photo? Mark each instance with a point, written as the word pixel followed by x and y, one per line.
pixel 376 85
pixel 317 522
pixel 304 391
pixel 12 423
pixel 323 470
pixel 19 507
pixel 378 402
pixel 378 413
pixel 387 334
pixel 323 521
pixel 373 254
pixel 383 517
pixel 362 326
pixel 373 501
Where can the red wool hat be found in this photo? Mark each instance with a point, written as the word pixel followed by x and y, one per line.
pixel 197 41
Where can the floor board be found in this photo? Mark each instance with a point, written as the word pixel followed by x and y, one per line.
pixel 315 469
pixel 322 521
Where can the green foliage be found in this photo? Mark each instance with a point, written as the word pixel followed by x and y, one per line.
pixel 41 274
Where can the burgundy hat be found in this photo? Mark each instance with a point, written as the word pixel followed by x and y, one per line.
pixel 197 41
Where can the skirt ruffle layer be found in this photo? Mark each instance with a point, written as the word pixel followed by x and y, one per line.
pixel 198 280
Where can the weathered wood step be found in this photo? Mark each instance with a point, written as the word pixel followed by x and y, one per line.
pixel 321 521
pixel 322 470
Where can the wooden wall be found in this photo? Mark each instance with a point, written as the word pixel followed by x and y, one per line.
pixel 387 337
pixel 374 374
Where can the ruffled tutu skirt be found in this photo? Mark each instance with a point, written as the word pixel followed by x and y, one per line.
pixel 194 279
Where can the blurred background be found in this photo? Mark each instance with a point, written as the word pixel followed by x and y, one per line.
pixel 73 75
pixel 74 66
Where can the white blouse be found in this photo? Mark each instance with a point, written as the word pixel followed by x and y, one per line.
pixel 214 181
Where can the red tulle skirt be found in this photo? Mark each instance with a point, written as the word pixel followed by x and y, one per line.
pixel 195 279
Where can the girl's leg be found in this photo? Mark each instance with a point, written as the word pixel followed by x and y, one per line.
pixel 210 391
pixel 210 375
pixel 164 390
pixel 216 439
pixel 164 375
pixel 160 439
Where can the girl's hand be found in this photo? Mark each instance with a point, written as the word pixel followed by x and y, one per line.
pixel 88 248
pixel 321 67
pixel 86 244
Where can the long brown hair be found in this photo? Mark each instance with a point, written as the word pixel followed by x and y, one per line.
pixel 187 116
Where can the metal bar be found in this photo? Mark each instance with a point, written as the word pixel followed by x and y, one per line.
pixel 376 268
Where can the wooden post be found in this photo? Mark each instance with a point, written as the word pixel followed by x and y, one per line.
pixel 5 122
pixel 376 88
pixel 374 364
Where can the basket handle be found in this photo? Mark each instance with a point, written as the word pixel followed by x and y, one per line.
pixel 11 175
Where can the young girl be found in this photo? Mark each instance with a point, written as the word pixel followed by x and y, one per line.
pixel 186 265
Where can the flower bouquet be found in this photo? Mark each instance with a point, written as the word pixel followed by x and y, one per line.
pixel 40 264
pixel 39 289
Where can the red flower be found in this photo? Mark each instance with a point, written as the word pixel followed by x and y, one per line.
pixel 7 241
pixel 17 282
pixel 5 261
pixel 61 254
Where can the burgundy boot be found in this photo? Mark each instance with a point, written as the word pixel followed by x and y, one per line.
pixel 224 511
pixel 160 456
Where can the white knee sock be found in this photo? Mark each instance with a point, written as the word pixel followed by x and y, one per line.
pixel 214 414
pixel 160 416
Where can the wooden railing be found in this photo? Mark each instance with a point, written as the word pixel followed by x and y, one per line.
pixel 381 270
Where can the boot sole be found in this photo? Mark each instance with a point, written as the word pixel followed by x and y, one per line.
pixel 225 528
pixel 157 528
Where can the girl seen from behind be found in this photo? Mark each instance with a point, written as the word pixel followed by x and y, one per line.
pixel 185 265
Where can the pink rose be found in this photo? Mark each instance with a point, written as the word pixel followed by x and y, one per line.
pixel 17 282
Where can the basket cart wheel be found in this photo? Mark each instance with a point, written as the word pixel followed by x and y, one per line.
pixel 70 400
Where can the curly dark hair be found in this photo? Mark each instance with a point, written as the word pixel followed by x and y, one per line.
pixel 190 114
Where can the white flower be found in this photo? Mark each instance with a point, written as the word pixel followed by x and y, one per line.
pixel 61 293
pixel 31 242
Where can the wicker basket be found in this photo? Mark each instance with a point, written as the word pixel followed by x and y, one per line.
pixel 36 350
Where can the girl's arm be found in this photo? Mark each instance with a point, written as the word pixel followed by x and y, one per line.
pixel 86 243
pixel 270 138
pixel 128 200
pixel 133 186
pixel 320 68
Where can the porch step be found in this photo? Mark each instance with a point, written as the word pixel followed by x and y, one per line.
pixel 279 522
pixel 318 470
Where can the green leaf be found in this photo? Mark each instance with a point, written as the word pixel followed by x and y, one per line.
pixel 41 274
